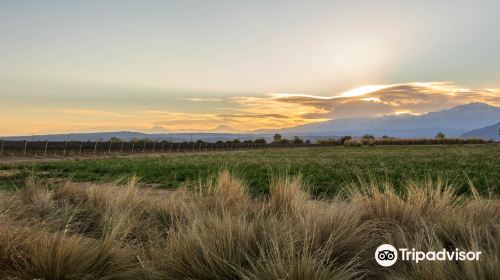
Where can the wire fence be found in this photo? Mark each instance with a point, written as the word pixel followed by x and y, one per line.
pixel 72 148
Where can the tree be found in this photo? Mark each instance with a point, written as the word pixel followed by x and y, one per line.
pixel 440 135
pixel 115 139
pixel 368 140
pixel 297 140
pixel 345 139
pixel 277 138
pixel 368 137
pixel 260 141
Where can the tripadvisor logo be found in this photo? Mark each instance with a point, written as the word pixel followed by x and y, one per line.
pixel 387 255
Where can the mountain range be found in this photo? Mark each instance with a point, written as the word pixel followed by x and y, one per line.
pixel 452 122
pixel 489 132
pixel 469 120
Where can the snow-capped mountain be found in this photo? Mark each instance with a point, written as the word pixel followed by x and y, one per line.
pixel 453 122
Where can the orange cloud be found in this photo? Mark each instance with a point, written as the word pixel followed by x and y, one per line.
pixel 84 112
pixel 417 98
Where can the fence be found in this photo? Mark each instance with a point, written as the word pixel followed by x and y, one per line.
pixel 71 148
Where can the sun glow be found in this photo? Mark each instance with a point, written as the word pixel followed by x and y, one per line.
pixel 363 90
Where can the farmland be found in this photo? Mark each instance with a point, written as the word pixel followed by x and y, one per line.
pixel 305 213
pixel 326 170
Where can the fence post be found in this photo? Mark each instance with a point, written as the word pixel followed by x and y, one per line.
pixel 80 149
pixel 95 147
pixel 154 146
pixel 162 146
pixel 45 149
pixel 171 145
pixel 25 145
pixel 1 149
pixel 133 145
pixel 144 147
pixel 121 149
pixel 64 151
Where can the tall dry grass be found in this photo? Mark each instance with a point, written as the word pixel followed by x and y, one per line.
pixel 216 230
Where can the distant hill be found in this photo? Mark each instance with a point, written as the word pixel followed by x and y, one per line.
pixel 487 133
pixel 129 135
pixel 94 136
pixel 224 129
pixel 452 122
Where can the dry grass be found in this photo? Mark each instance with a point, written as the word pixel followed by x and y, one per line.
pixel 218 231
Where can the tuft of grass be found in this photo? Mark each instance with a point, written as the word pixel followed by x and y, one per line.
pixel 39 255
pixel 287 193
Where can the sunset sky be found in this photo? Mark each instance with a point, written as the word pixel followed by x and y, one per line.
pixel 155 66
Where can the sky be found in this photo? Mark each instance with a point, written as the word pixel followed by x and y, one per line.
pixel 158 66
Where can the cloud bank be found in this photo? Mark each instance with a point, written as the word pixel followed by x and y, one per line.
pixel 411 98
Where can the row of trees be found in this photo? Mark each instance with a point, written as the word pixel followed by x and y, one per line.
pixel 370 140
pixel 277 138
pixel 365 140
pixel 147 140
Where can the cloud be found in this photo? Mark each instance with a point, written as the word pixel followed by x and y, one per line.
pixel 186 121
pixel 204 99
pixel 84 112
pixel 416 98
pixel 252 116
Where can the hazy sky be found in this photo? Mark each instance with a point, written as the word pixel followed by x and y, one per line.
pixel 195 65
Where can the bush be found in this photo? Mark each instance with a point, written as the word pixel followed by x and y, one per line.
pixel 297 140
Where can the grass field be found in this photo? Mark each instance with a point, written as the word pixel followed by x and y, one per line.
pixel 219 231
pixel 252 215
pixel 326 169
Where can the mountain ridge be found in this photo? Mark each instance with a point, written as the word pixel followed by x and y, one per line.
pixel 453 122
pixel 486 133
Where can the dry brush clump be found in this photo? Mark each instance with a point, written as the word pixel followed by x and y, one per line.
pixel 215 230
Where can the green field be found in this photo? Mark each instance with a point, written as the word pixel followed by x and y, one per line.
pixel 325 169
